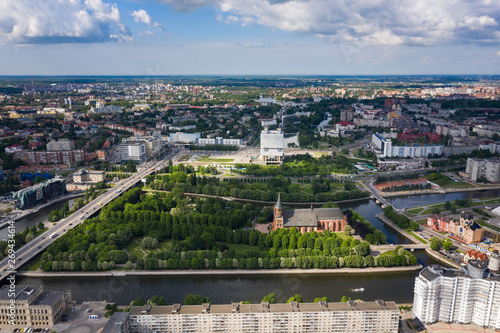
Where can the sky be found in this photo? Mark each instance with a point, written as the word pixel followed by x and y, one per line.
pixel 249 37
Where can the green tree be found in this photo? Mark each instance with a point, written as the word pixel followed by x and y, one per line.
pixel 138 302
pixel 297 298
pixel 435 243
pixel 157 300
pixel 447 244
pixel 195 300
pixel 345 299
pixel 447 205
pixel 270 298
pixel 318 299
pixel 348 230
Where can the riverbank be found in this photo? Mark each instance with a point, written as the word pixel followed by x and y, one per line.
pixel 239 272
pixel 262 202
pixel 403 232
pixel 442 191
pixel 439 257
pixel 31 211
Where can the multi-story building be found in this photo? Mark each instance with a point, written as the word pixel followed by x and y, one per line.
pixel 463 229
pixel 67 157
pixel 271 146
pixel 308 220
pixel 347 317
pixel 23 306
pixel 133 150
pixel 467 296
pixel 118 323
pixel 219 141
pixel 39 193
pixel 346 115
pixel 89 176
pixel 483 168
pixel 153 143
pixel 62 144
pixel 382 143
pixel 180 137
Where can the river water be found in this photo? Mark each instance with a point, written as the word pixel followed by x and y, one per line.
pixel 228 288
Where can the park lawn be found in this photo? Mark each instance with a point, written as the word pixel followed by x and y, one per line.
pixel 306 188
pixel 416 211
pixel 135 247
pixel 491 201
pixel 457 185
pixel 33 264
pixel 424 221
pixel 487 225
pixel 239 248
pixel 388 253
pixel 342 235
pixel 215 160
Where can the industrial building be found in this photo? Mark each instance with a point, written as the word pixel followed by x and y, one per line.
pixel 39 193
pixel 271 146
pixel 467 296
pixel 347 317
pixel 34 307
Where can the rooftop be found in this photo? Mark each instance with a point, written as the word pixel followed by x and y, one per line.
pixel 23 293
pixel 309 217
pixel 265 308
pixel 47 298
pixel 115 323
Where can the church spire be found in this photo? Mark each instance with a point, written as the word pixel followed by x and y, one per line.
pixel 278 203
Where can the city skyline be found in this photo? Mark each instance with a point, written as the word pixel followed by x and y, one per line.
pixel 259 37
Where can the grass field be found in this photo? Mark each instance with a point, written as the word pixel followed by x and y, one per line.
pixel 342 235
pixel 240 247
pixel 458 185
pixel 418 238
pixel 208 159
pixel 387 253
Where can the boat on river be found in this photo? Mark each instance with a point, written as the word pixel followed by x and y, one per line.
pixel 358 290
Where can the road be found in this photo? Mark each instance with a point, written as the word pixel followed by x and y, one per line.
pixel 10 266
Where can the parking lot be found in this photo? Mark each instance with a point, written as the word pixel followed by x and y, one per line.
pixel 78 321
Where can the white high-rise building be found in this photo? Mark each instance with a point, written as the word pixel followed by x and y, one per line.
pixel 483 168
pixel 133 150
pixel 469 296
pixel 271 146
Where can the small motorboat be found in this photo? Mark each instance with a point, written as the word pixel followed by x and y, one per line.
pixel 358 290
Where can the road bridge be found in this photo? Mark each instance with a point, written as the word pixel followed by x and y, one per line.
pixel 10 265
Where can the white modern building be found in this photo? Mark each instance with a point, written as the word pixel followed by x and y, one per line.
pixel 467 296
pixel 348 317
pixel 181 137
pixel 271 146
pixel 219 141
pixel 133 150
pixel 483 168
pixel 153 143
pixel 382 143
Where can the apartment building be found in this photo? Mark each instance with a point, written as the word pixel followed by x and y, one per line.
pixel 372 317
pixel 382 143
pixel 467 296
pixel 483 168
pixel 33 307
pixel 89 176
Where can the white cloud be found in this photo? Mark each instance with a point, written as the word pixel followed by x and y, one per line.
pixel 60 21
pixel 372 22
pixel 142 16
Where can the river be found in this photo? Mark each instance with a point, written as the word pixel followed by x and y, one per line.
pixel 224 289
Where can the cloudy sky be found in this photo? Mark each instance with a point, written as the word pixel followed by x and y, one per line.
pixel 171 37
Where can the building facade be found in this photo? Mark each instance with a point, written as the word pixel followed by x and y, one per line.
pixel 33 306
pixel 62 144
pixel 463 229
pixel 39 193
pixel 219 141
pixel 347 317
pixel 180 137
pixel 384 148
pixel 67 157
pixel 153 143
pixel 483 168
pixel 133 151
pixel 308 220
pixel 271 146
pixel 89 176
pixel 467 296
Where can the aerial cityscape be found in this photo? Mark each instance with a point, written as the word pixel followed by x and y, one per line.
pixel 249 166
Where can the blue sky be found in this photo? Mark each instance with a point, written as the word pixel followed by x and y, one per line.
pixel 171 37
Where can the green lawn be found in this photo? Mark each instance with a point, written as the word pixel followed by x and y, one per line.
pixel 33 264
pixel 387 253
pixel 416 211
pixel 457 185
pixel 484 224
pixel 240 247
pixel 342 235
